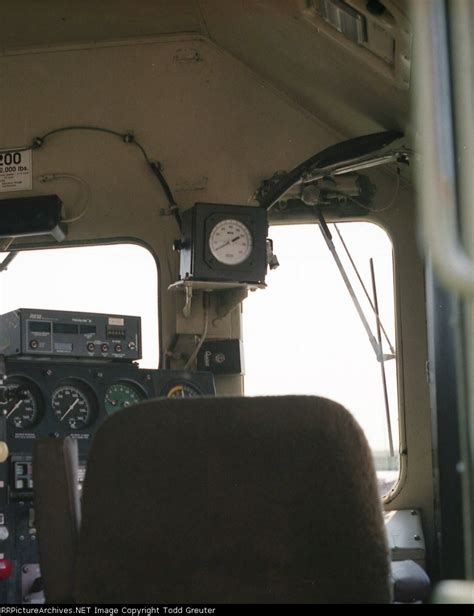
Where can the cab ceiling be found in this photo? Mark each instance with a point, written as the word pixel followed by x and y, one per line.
pixel 272 37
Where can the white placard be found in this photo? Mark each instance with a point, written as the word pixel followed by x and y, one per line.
pixel 16 170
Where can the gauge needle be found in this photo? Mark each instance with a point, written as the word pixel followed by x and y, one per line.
pixel 14 408
pixel 229 242
pixel 70 408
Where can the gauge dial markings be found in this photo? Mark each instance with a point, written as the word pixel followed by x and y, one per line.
pixel 24 409
pixel 122 395
pixel 233 235
pixel 73 402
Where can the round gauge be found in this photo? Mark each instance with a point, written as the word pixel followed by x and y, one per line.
pixel 121 395
pixel 230 242
pixel 24 409
pixel 72 404
pixel 182 390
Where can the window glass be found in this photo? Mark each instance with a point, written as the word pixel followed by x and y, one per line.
pixel 113 278
pixel 302 334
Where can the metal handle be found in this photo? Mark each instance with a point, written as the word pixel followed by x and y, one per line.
pixel 437 177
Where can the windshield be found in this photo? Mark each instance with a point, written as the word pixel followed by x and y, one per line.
pixel 302 334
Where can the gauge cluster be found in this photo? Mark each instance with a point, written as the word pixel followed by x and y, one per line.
pixel 52 397
pixel 74 398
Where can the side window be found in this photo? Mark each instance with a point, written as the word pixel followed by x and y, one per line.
pixel 302 334
pixel 112 278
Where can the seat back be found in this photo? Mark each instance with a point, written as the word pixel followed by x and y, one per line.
pixel 231 500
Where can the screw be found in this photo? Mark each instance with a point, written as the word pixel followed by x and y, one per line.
pixel 417 537
pixel 25 569
pixel 49 372
pixel 413 512
pixel 148 377
pixel 21 537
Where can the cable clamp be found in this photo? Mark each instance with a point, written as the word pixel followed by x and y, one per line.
pixel 128 137
pixel 46 177
pixel 155 164
pixel 170 210
pixel 37 143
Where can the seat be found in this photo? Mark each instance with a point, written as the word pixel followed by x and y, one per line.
pixel 223 500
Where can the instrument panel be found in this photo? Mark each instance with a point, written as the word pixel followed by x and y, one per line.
pixel 48 397
pixel 73 398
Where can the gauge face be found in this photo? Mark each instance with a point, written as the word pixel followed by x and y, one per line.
pixel 121 395
pixel 72 405
pixel 230 242
pixel 24 409
pixel 183 390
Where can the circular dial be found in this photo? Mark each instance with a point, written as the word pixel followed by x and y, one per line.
pixel 230 242
pixel 23 410
pixel 182 390
pixel 72 405
pixel 122 394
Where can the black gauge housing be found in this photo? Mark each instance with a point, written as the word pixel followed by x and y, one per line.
pixel 197 261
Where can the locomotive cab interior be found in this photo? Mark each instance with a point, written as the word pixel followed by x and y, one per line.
pixel 225 226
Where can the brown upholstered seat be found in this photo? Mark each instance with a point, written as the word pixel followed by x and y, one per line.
pixel 230 500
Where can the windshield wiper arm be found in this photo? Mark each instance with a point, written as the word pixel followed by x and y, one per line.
pixel 7 260
pixel 332 249
pixel 381 357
